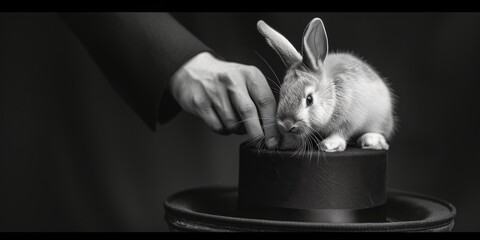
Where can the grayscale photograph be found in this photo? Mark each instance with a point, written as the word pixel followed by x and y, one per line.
pixel 156 121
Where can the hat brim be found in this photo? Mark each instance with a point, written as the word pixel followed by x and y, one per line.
pixel 215 209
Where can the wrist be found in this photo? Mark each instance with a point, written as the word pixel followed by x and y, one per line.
pixel 198 61
pixel 201 58
pixel 201 61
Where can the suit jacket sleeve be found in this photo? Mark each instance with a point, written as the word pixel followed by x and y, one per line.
pixel 139 53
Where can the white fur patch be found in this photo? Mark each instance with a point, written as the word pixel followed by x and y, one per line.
pixel 304 115
pixel 374 141
pixel 309 90
pixel 333 143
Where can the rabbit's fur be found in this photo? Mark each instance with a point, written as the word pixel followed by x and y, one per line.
pixel 348 97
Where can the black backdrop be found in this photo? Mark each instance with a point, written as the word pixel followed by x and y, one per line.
pixel 66 137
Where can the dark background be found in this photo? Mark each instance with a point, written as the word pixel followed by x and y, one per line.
pixel 66 137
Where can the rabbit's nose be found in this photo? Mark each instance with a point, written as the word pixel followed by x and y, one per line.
pixel 293 129
pixel 288 126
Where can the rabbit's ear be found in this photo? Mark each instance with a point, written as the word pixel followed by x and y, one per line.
pixel 280 44
pixel 315 44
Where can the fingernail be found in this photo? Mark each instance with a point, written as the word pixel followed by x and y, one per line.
pixel 272 142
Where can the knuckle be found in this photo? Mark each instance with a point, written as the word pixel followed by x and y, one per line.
pixel 247 110
pixel 266 101
pixel 256 78
pixel 252 72
pixel 201 103
pixel 226 80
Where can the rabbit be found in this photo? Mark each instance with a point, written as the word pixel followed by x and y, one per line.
pixel 335 95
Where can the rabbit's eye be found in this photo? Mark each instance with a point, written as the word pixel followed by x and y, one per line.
pixel 309 100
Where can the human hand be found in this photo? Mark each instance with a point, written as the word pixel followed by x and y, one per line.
pixel 227 96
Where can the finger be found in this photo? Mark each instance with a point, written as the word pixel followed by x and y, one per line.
pixel 206 112
pixel 224 109
pixel 246 110
pixel 265 101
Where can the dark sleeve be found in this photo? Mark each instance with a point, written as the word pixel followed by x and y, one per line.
pixel 139 53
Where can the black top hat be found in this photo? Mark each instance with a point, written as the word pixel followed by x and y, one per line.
pixel 317 186
pixel 312 191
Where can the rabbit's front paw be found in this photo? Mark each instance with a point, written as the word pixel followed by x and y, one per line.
pixel 333 144
pixel 374 141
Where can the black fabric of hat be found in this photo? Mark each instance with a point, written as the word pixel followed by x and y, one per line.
pixel 309 191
